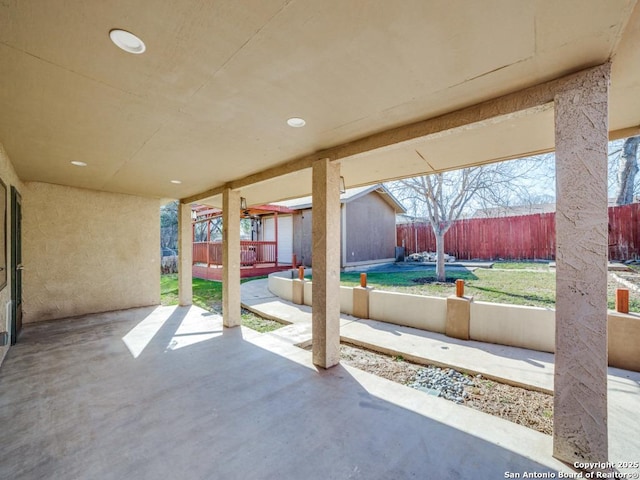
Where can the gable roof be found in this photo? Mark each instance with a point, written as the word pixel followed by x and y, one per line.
pixel 349 195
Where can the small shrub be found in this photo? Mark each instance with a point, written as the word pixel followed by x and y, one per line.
pixel 169 265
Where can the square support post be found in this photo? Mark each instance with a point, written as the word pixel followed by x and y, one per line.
pixel 580 383
pixel 325 302
pixel 185 255
pixel 231 258
pixel 458 317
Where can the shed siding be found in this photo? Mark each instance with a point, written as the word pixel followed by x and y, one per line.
pixel 302 236
pixel 371 228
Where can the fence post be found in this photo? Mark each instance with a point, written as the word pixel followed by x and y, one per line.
pixel 361 298
pixel 622 300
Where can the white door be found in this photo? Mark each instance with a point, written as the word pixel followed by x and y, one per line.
pixel 268 230
pixel 285 236
pixel 285 239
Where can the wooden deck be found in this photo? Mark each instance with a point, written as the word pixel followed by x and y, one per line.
pixel 214 272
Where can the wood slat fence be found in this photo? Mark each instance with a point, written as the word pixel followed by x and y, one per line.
pixel 251 253
pixel 526 237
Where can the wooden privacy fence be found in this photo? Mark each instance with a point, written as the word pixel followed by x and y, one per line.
pixel 526 237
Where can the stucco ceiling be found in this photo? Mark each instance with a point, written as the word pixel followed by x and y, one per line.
pixel 207 103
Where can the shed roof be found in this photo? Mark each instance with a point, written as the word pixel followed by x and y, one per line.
pixel 348 196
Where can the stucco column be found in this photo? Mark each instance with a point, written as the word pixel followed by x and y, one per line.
pixel 580 400
pixel 231 258
pixel 325 299
pixel 185 254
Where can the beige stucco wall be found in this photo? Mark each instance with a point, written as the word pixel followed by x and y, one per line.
pixel 307 293
pixel 9 177
pixel 525 327
pixel 624 340
pixel 346 297
pixel 86 251
pixel 346 300
pixel 281 287
pixel 426 313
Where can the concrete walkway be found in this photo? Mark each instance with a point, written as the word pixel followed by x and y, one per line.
pixel 517 366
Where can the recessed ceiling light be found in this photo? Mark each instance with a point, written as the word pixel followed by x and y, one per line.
pixel 78 164
pixel 296 122
pixel 127 41
pixel 177 182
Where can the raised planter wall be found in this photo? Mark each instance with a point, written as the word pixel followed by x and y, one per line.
pixel 417 311
pixel 282 287
pixel 513 325
pixel 527 327
pixel 346 300
pixel 624 341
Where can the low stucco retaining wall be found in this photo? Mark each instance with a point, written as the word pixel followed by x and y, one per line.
pixel 346 300
pixel 624 341
pixel 513 325
pixel 346 297
pixel 281 284
pixel 527 327
pixel 281 287
pixel 417 311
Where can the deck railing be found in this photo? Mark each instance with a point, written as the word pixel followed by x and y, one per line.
pixel 251 253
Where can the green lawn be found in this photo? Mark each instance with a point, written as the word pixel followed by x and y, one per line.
pixel 518 286
pixel 208 295
pixel 517 283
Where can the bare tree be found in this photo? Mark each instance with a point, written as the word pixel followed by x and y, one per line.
pixel 627 171
pixel 169 225
pixel 446 195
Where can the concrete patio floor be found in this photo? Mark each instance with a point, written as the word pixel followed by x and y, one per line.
pixel 167 392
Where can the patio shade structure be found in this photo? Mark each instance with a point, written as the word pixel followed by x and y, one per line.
pixel 257 257
pixel 386 91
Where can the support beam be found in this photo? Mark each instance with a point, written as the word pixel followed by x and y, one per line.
pixel 325 300
pixel 580 400
pixel 231 258
pixel 185 254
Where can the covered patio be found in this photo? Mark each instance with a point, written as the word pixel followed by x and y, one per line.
pixel 232 102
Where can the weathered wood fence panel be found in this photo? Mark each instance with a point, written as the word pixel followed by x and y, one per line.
pixel 526 237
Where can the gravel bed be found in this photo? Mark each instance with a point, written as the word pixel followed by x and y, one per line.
pixel 446 383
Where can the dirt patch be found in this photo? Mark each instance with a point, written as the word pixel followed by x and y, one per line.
pixel 631 278
pixel 519 405
pixel 391 368
pixel 434 281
